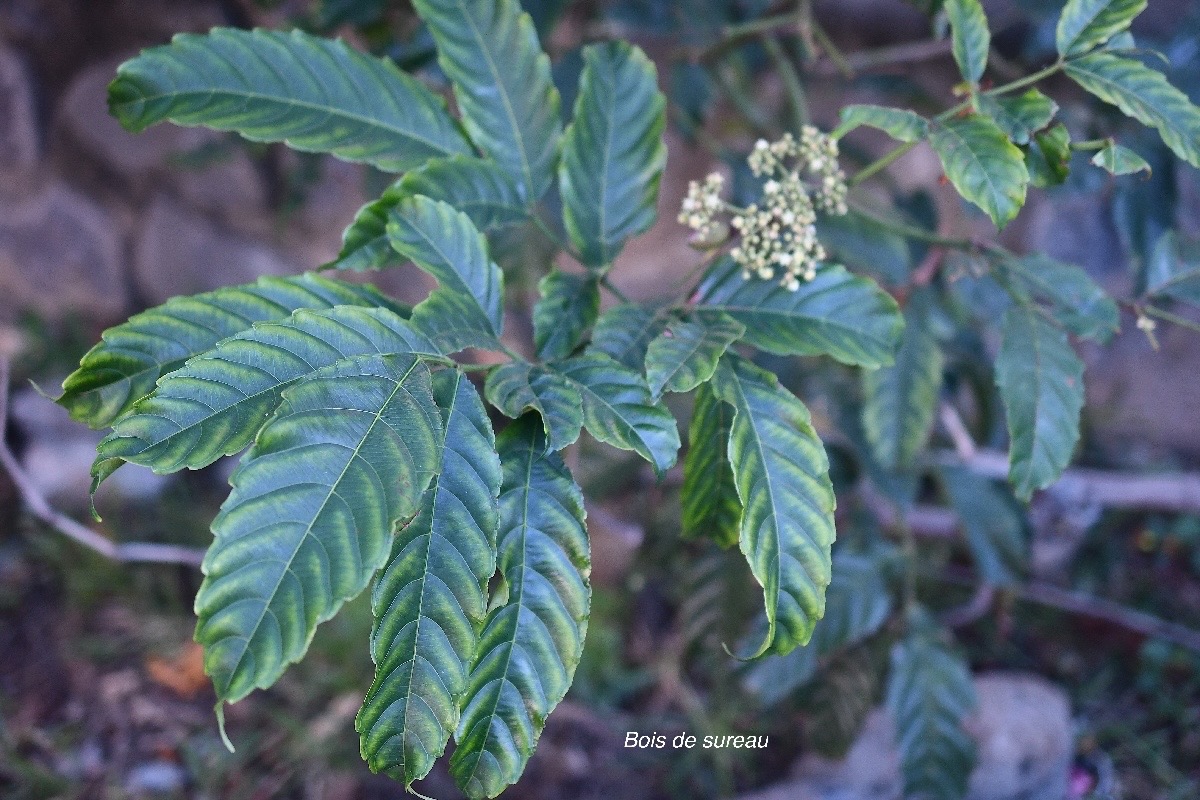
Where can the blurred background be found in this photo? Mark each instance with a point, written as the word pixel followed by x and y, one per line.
pixel 102 694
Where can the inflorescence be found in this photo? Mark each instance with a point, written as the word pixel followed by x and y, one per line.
pixel 778 239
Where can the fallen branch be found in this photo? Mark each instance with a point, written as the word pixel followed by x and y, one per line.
pixel 40 507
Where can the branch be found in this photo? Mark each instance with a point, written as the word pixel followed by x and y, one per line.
pixel 41 509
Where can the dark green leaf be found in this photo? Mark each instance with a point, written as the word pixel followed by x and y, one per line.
pixel 490 50
pixel 685 354
pixel 1048 157
pixel 969 35
pixel 1145 95
pixel 431 598
pixel 314 507
pixel 984 166
pixel 899 123
pixel 519 386
pixel 857 605
pixel 613 152
pixel 1019 116
pixel 711 507
pixel 467 309
pixel 1173 270
pixel 625 331
pixel 1120 160
pixel 214 405
pixel 618 409
pixel 929 694
pixel 480 189
pixel 1084 24
pixel 994 524
pixel 782 478
pixel 899 401
pixel 314 94
pixel 1077 301
pixel 835 314
pixel 131 357
pixel 862 244
pixel 531 644
pixel 569 306
pixel 1041 384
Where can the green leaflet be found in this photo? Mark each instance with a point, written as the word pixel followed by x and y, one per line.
pixel 214 404
pixel 431 598
pixel 899 123
pixel 860 243
pixel 467 309
pixel 969 37
pixel 624 333
pixel 857 605
pixel 685 354
pixel 900 400
pixel 994 524
pixel 711 507
pixel 313 510
pixel 1120 160
pixel 613 152
pixel 1048 156
pixel 984 166
pixel 836 314
pixel 314 94
pixel 519 386
pixel 568 307
pixel 1173 270
pixel 1084 24
pixel 1145 95
pixel 782 478
pixel 531 644
pixel 1076 300
pixel 1019 116
pixel 1041 384
pixel 929 693
pixel 618 409
pixel 131 357
pixel 479 188
pixel 502 83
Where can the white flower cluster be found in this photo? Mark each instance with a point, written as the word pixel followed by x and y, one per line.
pixel 779 239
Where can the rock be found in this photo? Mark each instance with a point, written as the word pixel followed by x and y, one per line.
pixel 83 113
pixel 20 148
pixel 1022 729
pixel 181 253
pixel 60 255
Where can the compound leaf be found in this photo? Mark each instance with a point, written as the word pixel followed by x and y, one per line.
pixel 782 477
pixel 685 354
pixel 618 409
pixel 131 357
pixel 970 39
pixel 613 152
pixel 624 333
pixel 900 400
pixel 489 49
pixel 313 511
pixel 531 644
pixel 929 693
pixel 517 387
pixel 899 123
pixel 711 507
pixel 431 599
pixel 568 307
pixel 1041 385
pixel 467 308
pixel 1084 24
pixel 1076 300
pixel 1144 94
pixel 215 404
pixel 315 94
pixel 984 166
pixel 836 314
